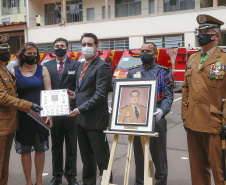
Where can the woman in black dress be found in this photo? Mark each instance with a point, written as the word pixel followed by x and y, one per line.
pixel 31 79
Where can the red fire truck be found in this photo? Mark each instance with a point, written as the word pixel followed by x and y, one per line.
pixel 175 59
pixel 51 55
pixel 14 60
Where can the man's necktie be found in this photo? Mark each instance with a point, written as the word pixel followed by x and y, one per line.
pixel 136 112
pixel 60 67
pixel 204 56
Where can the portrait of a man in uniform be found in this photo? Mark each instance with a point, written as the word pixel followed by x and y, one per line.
pixel 133 111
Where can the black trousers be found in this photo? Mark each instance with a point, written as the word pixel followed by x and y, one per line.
pixel 64 129
pixel 158 154
pixel 95 152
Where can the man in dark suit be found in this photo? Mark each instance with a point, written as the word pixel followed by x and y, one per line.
pixel 92 86
pixel 63 71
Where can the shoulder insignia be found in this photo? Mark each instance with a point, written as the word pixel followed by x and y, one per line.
pixel 223 50
pixel 124 107
pixel 164 67
pixel 133 67
pixel 193 54
pixel 143 106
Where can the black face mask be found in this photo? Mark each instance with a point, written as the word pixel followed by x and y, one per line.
pixel 204 39
pixel 30 60
pixel 60 52
pixel 5 57
pixel 146 58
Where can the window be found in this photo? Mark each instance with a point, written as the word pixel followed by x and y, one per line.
pixel 167 41
pixel 103 12
pixel 125 8
pixel 151 6
pixel 6 20
pixel 90 14
pixel 4 3
pixel 74 46
pixel 52 15
pixel 74 11
pixel 45 48
pixel 13 3
pixel 114 44
pixel 179 5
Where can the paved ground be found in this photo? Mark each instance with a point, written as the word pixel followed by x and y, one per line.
pixel 179 172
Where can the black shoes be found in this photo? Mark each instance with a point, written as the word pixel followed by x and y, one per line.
pixel 55 181
pixel 73 182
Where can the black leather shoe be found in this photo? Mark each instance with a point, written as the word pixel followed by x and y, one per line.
pixel 73 182
pixel 55 181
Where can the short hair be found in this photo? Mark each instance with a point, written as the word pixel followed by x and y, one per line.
pixel 21 53
pixel 134 91
pixel 90 35
pixel 155 47
pixel 218 30
pixel 61 39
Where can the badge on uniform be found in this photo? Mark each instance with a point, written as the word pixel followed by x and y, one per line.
pixel 217 71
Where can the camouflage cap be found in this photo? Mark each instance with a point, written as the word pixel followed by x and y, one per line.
pixel 4 42
pixel 207 21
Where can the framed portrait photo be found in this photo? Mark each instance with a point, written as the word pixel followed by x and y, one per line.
pixel 134 102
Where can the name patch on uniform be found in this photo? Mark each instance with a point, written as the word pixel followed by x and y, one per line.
pixel 71 72
pixel 6 81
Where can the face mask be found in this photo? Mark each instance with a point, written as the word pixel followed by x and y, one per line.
pixel 5 57
pixel 146 58
pixel 60 52
pixel 204 39
pixel 30 60
pixel 88 52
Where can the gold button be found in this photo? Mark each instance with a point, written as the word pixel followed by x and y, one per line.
pixel 197 102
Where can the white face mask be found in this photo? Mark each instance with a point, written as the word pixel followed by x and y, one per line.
pixel 88 52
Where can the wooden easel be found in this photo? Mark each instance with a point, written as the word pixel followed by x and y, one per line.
pixel 145 139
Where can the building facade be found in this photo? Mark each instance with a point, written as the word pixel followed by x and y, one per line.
pixel 124 24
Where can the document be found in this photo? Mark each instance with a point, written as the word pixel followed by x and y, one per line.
pixel 38 119
pixel 55 103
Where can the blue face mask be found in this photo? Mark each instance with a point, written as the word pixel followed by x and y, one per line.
pixel 5 57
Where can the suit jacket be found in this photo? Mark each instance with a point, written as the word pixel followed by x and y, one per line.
pixel 68 80
pixel 92 95
pixel 201 95
pixel 9 103
pixel 127 114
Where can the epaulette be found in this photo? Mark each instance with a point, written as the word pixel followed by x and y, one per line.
pixel 143 106
pixel 164 67
pixel 133 67
pixel 223 50
pixel 124 107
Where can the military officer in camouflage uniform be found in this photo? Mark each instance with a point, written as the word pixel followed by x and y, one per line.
pixel 150 69
pixel 133 113
pixel 202 93
pixel 9 104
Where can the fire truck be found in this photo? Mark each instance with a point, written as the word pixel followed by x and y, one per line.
pixel 173 58
pixel 51 55
pixel 111 57
pixel 14 60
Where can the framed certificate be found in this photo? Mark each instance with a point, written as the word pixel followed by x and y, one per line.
pixel 55 103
